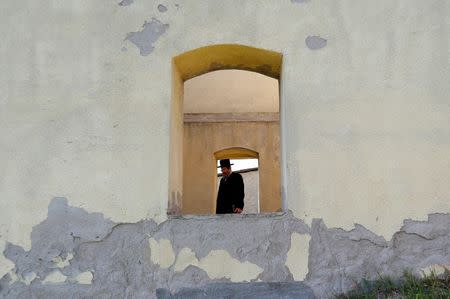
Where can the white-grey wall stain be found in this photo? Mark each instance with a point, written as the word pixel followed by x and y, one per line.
pixel 149 34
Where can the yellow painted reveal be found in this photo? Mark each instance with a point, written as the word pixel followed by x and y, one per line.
pixel 228 56
pixel 235 153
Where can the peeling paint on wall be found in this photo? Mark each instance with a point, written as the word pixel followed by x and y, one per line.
pixel 29 277
pixel 126 2
pixel 161 252
pixel 84 277
pixel 139 258
pixel 150 33
pixel 297 257
pixel 185 258
pixel 54 277
pixel 60 262
pixel 6 265
pixel 315 42
pixel 218 264
pixel 435 269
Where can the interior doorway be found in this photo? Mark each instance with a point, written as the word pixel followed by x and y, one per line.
pixel 248 168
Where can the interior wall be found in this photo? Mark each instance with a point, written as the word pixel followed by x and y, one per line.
pixel 201 140
pixel 231 91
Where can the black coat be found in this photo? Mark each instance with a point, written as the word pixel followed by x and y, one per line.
pixel 230 194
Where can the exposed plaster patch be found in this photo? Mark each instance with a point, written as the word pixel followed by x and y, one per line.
pixel 13 277
pixel 29 277
pixel 162 8
pixel 315 42
pixel 54 277
pixel 26 278
pixel 436 224
pixel 297 257
pixel 161 252
pixel 60 262
pixel 126 2
pixel 149 34
pixel 435 269
pixel 85 277
pixel 6 265
pixel 185 258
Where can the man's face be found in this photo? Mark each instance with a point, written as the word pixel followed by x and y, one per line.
pixel 225 171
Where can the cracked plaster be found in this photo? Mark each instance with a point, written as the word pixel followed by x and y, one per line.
pixel 102 258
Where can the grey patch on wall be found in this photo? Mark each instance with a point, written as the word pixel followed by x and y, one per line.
pixel 126 2
pixel 162 8
pixel 315 42
pixel 119 255
pixel 257 290
pixel 60 234
pixel 150 33
pixel 338 258
pixel 263 241
pixel 299 1
pixel 124 49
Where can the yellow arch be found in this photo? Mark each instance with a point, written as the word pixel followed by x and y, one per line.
pixel 236 153
pixel 228 56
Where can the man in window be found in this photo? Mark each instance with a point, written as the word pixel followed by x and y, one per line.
pixel 230 197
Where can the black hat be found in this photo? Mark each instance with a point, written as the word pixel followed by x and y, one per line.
pixel 225 163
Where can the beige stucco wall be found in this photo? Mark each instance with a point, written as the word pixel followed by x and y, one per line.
pixel 202 140
pixel 365 119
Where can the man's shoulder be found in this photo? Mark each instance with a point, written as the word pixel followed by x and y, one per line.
pixel 236 175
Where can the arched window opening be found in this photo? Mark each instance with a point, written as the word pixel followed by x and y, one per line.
pixel 225 104
pixel 246 163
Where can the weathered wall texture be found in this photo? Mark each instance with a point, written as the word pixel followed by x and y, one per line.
pixel 78 254
pixel 85 113
pixel 202 140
